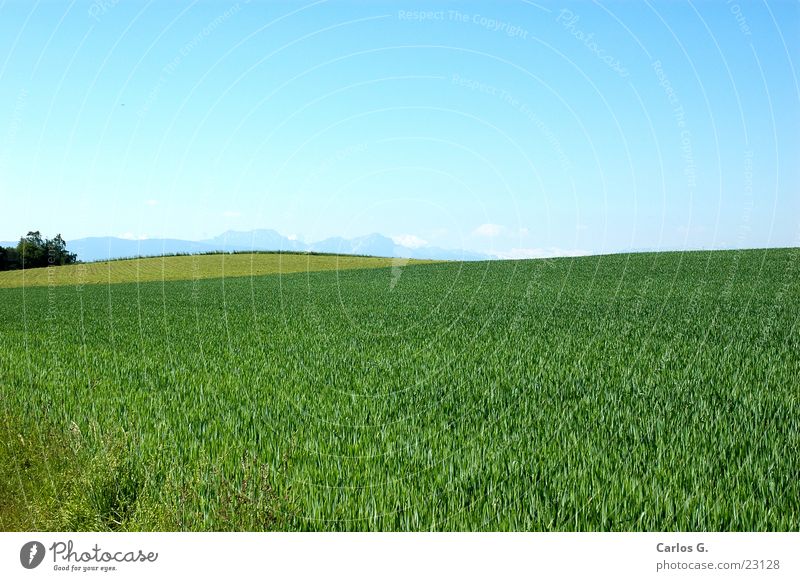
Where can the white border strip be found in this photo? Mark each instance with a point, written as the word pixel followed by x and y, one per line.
pixel 378 556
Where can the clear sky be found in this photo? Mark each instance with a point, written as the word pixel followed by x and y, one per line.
pixel 517 128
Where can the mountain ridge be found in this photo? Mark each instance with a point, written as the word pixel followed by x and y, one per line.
pixel 96 248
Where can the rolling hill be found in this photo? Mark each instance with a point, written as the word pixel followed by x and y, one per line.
pixel 194 267
pixel 606 393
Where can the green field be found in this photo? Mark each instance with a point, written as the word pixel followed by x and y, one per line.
pixel 164 268
pixel 627 392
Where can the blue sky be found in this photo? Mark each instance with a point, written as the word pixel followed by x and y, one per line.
pixel 515 128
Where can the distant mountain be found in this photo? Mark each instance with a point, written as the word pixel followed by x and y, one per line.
pixel 108 247
pixel 435 253
pixel 379 245
pixel 253 240
pixel 337 244
pixel 372 244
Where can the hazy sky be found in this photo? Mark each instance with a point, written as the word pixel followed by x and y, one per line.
pixel 514 127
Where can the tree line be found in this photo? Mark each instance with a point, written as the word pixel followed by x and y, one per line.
pixel 33 251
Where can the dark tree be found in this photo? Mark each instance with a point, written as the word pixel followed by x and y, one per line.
pixel 9 260
pixel 57 254
pixel 33 251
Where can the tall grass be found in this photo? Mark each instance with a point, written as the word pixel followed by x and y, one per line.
pixel 631 392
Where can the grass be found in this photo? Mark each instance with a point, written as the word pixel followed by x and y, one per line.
pixel 629 392
pixel 192 267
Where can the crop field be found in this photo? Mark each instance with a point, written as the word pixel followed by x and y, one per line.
pixel 193 267
pixel 637 392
